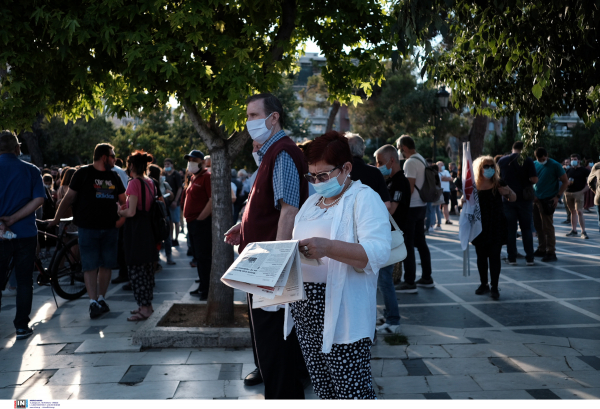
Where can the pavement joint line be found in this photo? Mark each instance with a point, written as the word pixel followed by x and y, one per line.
pixel 470 308
pixel 446 304
pixel 568 252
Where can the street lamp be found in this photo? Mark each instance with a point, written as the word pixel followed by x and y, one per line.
pixel 442 97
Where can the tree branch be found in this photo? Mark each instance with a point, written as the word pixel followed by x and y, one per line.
pixel 335 107
pixel 236 143
pixel 209 137
pixel 286 28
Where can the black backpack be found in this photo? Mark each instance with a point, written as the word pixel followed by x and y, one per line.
pixel 158 215
pixel 432 187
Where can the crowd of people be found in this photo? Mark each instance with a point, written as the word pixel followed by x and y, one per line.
pixel 321 193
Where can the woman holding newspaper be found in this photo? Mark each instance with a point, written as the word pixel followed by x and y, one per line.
pixel 336 322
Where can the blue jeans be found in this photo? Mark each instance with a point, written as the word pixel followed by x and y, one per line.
pixel 438 214
pixel 429 216
pixel 98 248
pixel 523 213
pixel 385 284
pixel 22 252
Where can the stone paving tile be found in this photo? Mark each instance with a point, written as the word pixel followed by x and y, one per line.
pixel 589 379
pixel 508 394
pixel 166 357
pixel 200 390
pixel 437 340
pixel 533 380
pixel 15 378
pixel 488 350
pixel 107 345
pixel 221 357
pixel 589 332
pixel 88 375
pixel 395 384
pixel 382 350
pixel 451 383
pixel 460 366
pixel 586 346
pixel 550 364
pixel 402 396
pixel 39 392
pixel 392 367
pixel 426 351
pixel 507 336
pixel 235 389
pixel 583 393
pixel 550 350
pixel 47 362
pixel 121 358
pixel 376 367
pixel 160 373
pixel 143 390
pixel 419 330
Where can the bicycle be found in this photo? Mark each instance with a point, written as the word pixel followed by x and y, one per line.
pixel 64 274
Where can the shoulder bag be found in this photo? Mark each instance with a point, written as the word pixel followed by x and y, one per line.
pixel 398 249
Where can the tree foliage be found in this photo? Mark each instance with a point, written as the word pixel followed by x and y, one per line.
pixel 536 57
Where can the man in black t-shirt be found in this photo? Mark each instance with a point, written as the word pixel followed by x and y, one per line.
pixel 575 195
pixel 399 192
pixel 94 192
pixel 174 180
pixel 518 177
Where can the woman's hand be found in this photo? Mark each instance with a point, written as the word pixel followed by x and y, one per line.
pixel 504 190
pixel 315 247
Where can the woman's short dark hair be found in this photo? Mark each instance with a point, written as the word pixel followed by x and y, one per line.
pixel 154 171
pixel 331 147
pixel 139 160
pixel 67 176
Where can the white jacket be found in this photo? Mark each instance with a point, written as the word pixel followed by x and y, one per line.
pixel 350 304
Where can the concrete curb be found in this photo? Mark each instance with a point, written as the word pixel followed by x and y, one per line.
pixel 149 335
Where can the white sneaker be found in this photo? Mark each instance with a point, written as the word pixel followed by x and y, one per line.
pixel 430 229
pixel 380 318
pixel 438 227
pixel 9 292
pixel 388 329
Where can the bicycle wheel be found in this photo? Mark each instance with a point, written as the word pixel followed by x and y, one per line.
pixel 66 275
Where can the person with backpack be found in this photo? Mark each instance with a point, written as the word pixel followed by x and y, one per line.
pixel 138 236
pixel 424 187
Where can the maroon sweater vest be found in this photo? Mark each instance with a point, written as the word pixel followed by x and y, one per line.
pixel 260 219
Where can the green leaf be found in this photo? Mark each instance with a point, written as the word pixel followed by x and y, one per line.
pixel 537 91
pixel 509 66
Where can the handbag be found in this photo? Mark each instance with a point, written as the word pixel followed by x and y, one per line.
pixel 398 249
pixel 159 217
pixel 440 200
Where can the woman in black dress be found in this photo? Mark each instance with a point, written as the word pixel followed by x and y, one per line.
pixel 488 244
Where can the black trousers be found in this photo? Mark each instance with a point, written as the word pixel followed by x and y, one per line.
pixel 200 234
pixel 414 236
pixel 491 253
pixel 279 360
pixel 123 271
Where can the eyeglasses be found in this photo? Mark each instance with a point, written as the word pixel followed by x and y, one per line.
pixel 320 177
pixel 489 166
pixel 112 156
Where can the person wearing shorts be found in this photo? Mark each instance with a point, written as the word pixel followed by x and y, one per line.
pixel 174 180
pixel 575 195
pixel 445 179
pixel 95 192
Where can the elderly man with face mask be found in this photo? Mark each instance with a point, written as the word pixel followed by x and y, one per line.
pixel 278 192
pixel 197 210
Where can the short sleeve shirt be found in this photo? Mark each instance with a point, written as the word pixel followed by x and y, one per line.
pixel 20 183
pixel 197 195
pixel 548 175
pixel 514 174
pixel 579 176
pixel 134 188
pixel 445 184
pixel 97 193
pixel 174 180
pixel 414 168
pixel 399 189
pixel 370 176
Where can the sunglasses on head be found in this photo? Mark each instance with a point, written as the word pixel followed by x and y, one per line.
pixel 488 166
pixel 320 177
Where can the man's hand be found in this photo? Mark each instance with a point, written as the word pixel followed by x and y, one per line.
pixel 555 201
pixel 2 227
pixel 52 222
pixel 173 205
pixel 315 247
pixel 233 236
pixel 504 190
pixel 7 221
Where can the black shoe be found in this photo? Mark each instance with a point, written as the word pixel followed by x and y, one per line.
pixel 175 243
pixel 95 310
pixel 24 333
pixel 483 289
pixel 196 291
pixel 511 262
pixel 104 306
pixel 519 255
pixel 119 280
pixel 566 222
pixel 449 222
pixel 407 288
pixel 425 282
pixel 190 253
pixel 253 378
pixel 197 281
pixel 539 253
pixel 495 293
pixel 127 287
pixel 550 257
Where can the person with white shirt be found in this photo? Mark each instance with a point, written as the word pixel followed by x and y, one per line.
pixel 335 324
pixel 445 178
pixel 414 235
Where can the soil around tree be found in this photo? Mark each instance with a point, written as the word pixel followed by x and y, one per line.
pixel 194 315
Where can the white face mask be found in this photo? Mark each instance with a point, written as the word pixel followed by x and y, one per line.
pixel 542 163
pixel 258 129
pixel 162 179
pixel 256 158
pixel 193 167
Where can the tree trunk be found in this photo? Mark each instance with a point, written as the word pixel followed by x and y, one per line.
pixel 477 135
pixel 332 114
pixel 33 146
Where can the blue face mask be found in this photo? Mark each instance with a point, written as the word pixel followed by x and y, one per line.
pixel 574 162
pixel 168 169
pixel 591 164
pixel 330 188
pixel 489 173
pixel 384 170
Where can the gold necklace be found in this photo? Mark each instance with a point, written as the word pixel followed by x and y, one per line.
pixel 322 201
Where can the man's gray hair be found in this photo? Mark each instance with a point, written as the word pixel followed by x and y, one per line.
pixel 357 144
pixel 8 142
pixel 388 151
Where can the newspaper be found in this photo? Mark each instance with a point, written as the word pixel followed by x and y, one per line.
pixel 271 271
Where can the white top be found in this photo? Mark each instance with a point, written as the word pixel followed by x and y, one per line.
pixel 234 188
pixel 414 168
pixel 315 222
pixel 122 174
pixel 350 297
pixel 445 184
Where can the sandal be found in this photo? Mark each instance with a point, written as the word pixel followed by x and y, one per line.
pixel 138 317
pixel 138 311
